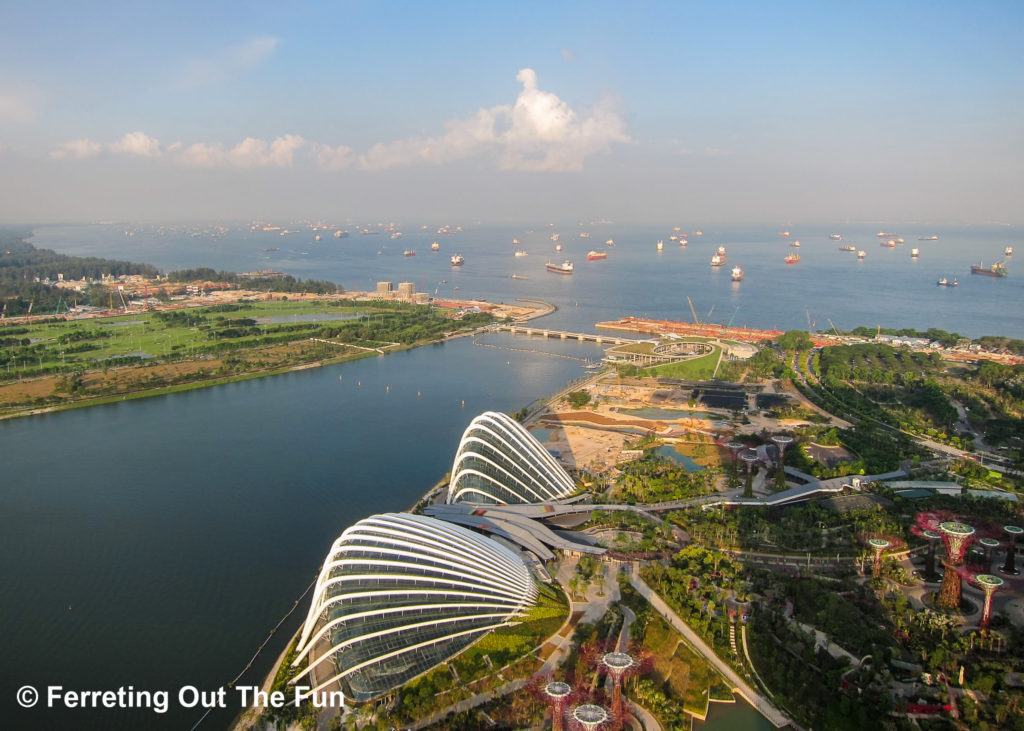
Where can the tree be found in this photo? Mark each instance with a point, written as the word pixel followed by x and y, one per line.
pixel 578 399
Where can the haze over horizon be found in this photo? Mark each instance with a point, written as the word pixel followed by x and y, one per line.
pixel 690 111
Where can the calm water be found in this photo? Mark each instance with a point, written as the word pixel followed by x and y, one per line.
pixel 887 288
pixel 154 543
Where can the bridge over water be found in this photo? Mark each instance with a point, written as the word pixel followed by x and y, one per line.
pixel 564 335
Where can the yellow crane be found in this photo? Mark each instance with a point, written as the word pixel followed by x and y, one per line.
pixel 696 320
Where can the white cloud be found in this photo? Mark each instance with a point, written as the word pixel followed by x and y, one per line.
pixel 539 132
pixel 334 158
pixel 76 150
pixel 17 101
pixel 137 143
pixel 229 62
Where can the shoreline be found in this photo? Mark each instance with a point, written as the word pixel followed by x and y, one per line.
pixel 532 313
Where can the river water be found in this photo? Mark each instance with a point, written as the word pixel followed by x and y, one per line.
pixel 154 543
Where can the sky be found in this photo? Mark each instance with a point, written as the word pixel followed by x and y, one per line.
pixel 688 112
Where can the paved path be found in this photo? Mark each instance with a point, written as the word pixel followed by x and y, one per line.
pixel 762 704
pixel 473 702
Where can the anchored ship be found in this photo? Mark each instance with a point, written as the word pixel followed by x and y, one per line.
pixel 915 252
pixel 435 246
pixel 997 270
pixel 836 237
pixel 847 247
pixel 717 260
pixel 408 252
pixel 457 260
pixel 793 258
pixel 737 273
pixel 564 268
pixel 597 255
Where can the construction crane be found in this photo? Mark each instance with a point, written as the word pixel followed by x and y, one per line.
pixel 810 325
pixel 734 313
pixel 693 310
pixel 834 329
pixel 708 318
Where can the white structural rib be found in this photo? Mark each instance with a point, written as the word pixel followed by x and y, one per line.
pixel 399 593
pixel 499 461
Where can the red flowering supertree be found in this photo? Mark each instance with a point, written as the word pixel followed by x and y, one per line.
pixel 555 693
pixel 617 665
pixel 956 536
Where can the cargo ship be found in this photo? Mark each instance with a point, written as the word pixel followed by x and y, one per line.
pixel 836 237
pixel 943 282
pixel 610 242
pixel 564 268
pixel 915 252
pixel 408 252
pixel 1008 251
pixel 597 255
pixel 661 244
pixel 997 270
pixel 435 246
pixel 457 260
pixel 795 243
pixel 340 234
pixel 717 260
pixel 847 247
pixel 888 243
pixel 521 253
pixel 737 273
pixel 927 238
pixel 793 258
pixel 861 254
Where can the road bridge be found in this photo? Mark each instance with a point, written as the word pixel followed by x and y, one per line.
pixel 564 335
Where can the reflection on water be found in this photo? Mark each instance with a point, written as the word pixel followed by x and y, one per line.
pixel 684 460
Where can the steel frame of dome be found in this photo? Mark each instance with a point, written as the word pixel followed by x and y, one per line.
pixel 400 593
pixel 499 461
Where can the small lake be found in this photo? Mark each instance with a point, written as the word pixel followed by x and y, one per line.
pixel 687 462
pixel 652 412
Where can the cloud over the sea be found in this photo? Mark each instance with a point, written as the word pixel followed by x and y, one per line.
pixel 538 131
pixel 228 62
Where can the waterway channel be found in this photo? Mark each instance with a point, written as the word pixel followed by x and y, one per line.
pixel 152 544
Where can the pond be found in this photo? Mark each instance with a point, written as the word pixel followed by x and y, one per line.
pixel 651 412
pixel 669 451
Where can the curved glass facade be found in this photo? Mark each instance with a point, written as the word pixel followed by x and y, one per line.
pixel 500 462
pixel 400 593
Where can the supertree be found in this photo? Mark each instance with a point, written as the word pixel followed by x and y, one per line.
pixel 749 458
pixel 734 448
pixel 878 545
pixel 590 717
pixel 1010 567
pixel 933 538
pixel 956 535
pixel 988 584
pixel 781 442
pixel 618 665
pixel 557 695
pixel 988 545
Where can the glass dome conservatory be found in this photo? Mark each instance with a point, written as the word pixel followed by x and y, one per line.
pixel 400 593
pixel 500 462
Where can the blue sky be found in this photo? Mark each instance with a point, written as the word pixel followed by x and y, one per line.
pixel 650 111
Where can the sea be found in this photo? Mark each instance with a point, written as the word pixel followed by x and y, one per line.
pixel 154 544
